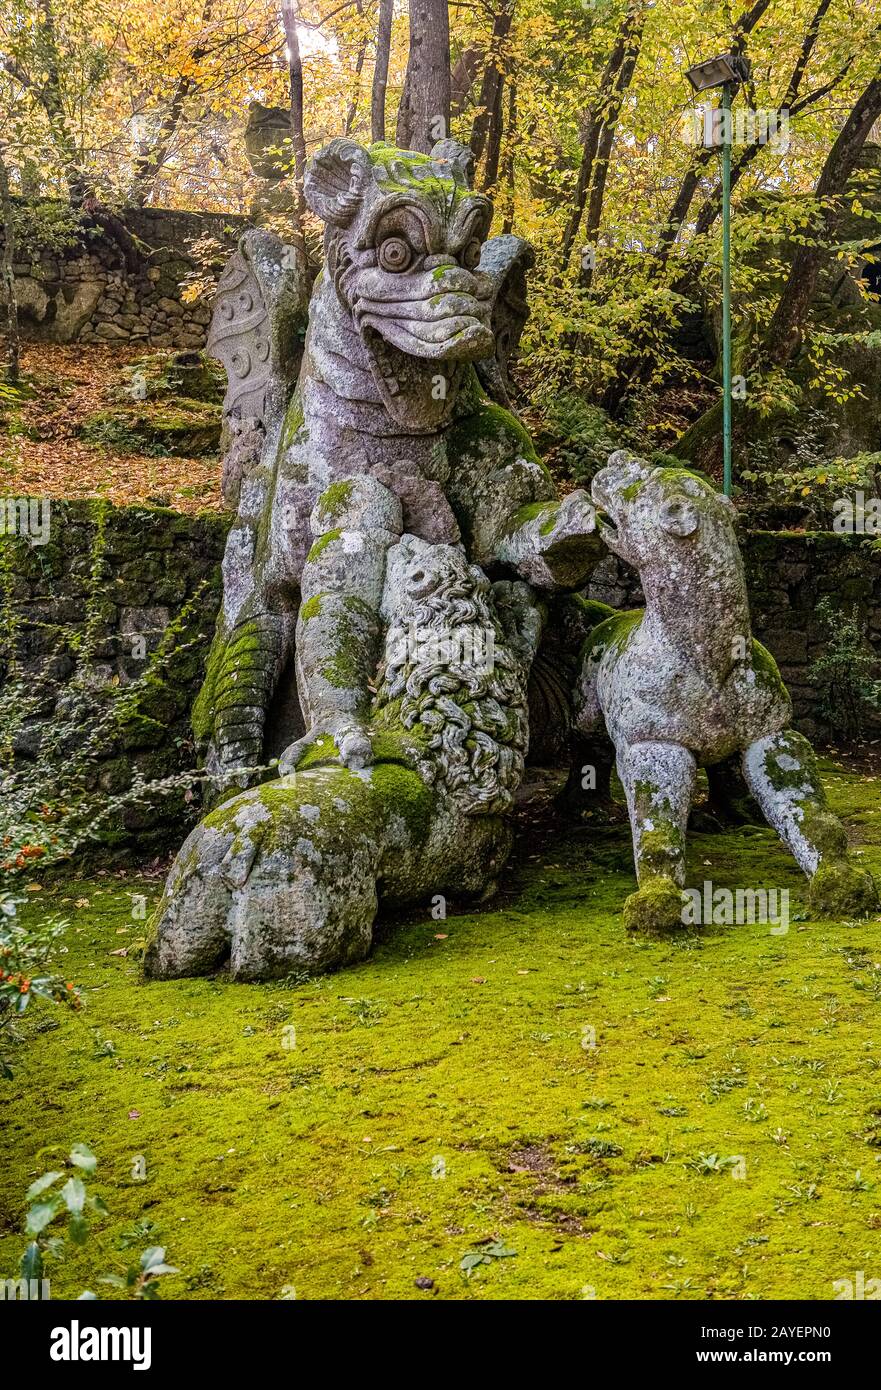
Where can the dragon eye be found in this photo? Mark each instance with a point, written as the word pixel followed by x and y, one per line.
pixel 395 254
pixel 471 254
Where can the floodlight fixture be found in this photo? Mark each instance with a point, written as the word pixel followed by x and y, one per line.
pixel 729 69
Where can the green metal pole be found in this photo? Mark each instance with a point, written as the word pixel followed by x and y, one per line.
pixel 726 290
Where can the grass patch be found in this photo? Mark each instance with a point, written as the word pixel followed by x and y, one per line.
pixel 348 1136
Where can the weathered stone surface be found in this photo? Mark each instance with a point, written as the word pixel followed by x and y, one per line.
pixel 683 684
pixel 81 293
pixel 404 654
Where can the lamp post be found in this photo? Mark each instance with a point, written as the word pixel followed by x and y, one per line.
pixel 727 72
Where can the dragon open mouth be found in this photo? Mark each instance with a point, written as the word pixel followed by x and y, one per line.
pixel 408 383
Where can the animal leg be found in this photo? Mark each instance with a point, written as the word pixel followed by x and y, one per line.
pixel 781 772
pixel 658 779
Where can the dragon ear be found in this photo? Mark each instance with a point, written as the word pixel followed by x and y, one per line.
pixel 335 180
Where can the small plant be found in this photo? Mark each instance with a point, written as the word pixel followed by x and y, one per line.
pixel 49 1200
pixel 26 957
pixel 489 1251
pixel 844 674
pixel 706 1164
pixel 586 437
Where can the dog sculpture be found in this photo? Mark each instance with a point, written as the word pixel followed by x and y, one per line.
pixel 683 684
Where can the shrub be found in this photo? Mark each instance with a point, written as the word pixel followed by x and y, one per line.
pixel 27 956
pixel 844 674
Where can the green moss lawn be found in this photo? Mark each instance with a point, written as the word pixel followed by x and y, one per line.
pixel 344 1137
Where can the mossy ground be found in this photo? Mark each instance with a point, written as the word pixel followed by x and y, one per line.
pixel 469 1041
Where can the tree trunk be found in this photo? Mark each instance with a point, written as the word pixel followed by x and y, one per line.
pixel 494 139
pixel 464 75
pixel 607 139
pixel 352 112
pixel 8 278
pixel 424 112
pixel 604 111
pixel 298 139
pixel 784 331
pixel 53 105
pixel 487 123
pixel 508 162
pixel 150 161
pixel 380 70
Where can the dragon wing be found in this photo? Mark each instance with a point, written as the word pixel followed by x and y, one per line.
pixel 506 259
pixel 257 331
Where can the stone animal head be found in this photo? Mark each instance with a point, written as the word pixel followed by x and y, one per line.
pixel 404 234
pixel 651 516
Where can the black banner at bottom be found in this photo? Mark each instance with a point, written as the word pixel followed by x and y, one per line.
pixel 61 1340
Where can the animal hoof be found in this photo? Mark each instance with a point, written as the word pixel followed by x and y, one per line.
pixel 654 908
pixel 841 889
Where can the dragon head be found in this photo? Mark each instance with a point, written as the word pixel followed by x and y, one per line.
pixel 404 235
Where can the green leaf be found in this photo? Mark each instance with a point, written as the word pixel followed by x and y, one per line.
pixel 40 1215
pixel 40 1184
pixel 32 1262
pixel 115 1279
pixel 499 1251
pixel 153 1255
pixel 74 1195
pixel 88 1295
pixel 78 1228
pixel 471 1260
pixel 82 1157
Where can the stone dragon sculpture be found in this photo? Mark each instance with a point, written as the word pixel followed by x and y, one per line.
pixel 683 684
pixel 401 595
pixel 375 502
pixel 413 310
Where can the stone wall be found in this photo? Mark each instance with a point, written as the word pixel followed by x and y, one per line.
pixel 109 624
pixel 788 574
pixel 88 293
pixel 115 586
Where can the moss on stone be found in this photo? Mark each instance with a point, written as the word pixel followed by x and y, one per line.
pixel 612 632
pixel 655 907
pixel 322 543
pixel 311 608
pixel 532 511
pixel 335 499
pixel 842 889
pixel 293 422
pixel 766 669
pixel 236 666
pixel 489 424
